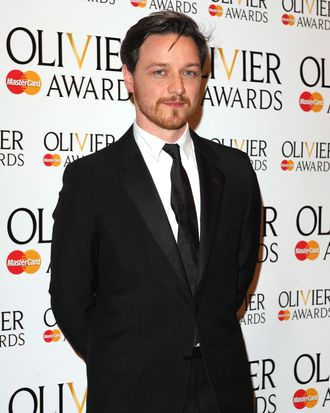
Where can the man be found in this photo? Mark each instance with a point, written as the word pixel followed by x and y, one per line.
pixel 155 242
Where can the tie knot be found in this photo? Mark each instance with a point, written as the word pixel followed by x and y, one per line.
pixel 173 149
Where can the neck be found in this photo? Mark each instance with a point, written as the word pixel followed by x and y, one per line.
pixel 167 135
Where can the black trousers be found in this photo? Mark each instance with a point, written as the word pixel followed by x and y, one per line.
pixel 200 397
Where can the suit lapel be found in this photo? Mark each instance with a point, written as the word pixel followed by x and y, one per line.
pixel 211 188
pixel 142 191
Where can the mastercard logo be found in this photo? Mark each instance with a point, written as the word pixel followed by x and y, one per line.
pixel 307 250
pixel 52 160
pixel 284 315
pixel 305 398
pixel 287 165
pixel 139 3
pixel 311 102
pixel 52 335
pixel 215 10
pixel 18 82
pixel 288 19
pixel 18 262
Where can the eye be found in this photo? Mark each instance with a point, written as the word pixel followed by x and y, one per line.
pixel 159 73
pixel 190 74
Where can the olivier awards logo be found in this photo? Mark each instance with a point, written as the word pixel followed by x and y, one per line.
pixel 243 79
pixel 297 305
pixel 65 147
pixel 254 11
pixel 66 55
pixel 309 14
pixel 305 156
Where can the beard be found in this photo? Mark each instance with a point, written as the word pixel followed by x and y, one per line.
pixel 163 116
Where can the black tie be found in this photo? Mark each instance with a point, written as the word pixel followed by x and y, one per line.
pixel 183 205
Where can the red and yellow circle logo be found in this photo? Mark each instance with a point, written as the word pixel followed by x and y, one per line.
pixel 311 102
pixel 139 3
pixel 52 159
pixel 215 10
pixel 305 398
pixel 288 20
pixel 287 165
pixel 18 82
pixel 28 262
pixel 307 250
pixel 52 336
pixel 284 315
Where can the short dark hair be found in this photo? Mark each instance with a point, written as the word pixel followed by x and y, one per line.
pixel 164 22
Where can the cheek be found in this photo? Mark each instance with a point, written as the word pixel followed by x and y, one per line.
pixel 193 88
pixel 193 95
pixel 149 92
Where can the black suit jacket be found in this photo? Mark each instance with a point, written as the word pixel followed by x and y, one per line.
pixel 118 287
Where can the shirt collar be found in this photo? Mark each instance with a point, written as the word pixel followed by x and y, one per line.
pixel 154 145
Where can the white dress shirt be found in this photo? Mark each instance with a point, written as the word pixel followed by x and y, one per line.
pixel 159 164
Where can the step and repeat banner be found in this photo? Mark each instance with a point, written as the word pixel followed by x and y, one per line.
pixel 62 97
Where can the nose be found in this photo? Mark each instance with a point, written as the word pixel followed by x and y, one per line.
pixel 176 84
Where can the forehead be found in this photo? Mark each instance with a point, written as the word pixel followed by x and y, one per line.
pixel 168 48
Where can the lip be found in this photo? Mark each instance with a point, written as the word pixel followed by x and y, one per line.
pixel 174 104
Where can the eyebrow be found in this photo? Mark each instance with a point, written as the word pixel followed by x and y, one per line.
pixel 155 64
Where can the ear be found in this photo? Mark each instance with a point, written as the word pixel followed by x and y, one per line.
pixel 128 79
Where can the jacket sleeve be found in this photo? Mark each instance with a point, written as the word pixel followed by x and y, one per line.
pixel 72 269
pixel 249 245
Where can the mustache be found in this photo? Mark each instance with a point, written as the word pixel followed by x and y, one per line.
pixel 180 99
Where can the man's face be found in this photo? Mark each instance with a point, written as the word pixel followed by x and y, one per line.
pixel 165 84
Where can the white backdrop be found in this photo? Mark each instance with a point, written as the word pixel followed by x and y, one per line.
pixel 62 97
